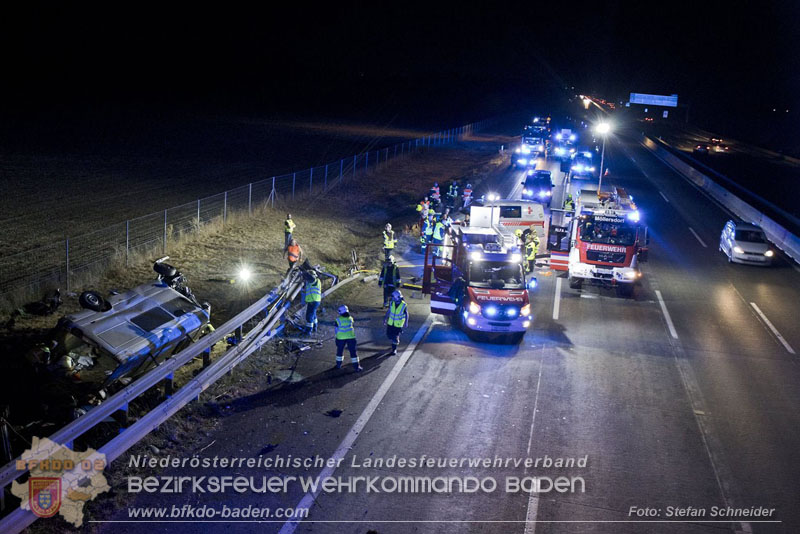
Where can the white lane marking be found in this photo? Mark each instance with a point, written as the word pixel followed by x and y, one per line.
pixel 344 447
pixel 664 197
pixel 664 310
pixel 772 327
pixel 533 500
pixel 557 301
pixel 697 236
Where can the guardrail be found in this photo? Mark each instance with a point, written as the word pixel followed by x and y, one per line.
pixel 784 239
pixel 276 301
pixel 78 258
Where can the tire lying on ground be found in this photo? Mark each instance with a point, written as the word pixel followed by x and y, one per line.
pixel 92 300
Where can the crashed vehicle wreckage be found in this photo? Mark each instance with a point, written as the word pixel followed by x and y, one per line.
pixel 111 341
pixel 98 351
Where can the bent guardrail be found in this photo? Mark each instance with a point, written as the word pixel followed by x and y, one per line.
pixel 275 303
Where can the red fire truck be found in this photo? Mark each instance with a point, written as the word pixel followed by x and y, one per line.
pixel 476 276
pixel 606 240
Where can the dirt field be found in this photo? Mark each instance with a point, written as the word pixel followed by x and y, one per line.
pixel 104 177
pixel 350 218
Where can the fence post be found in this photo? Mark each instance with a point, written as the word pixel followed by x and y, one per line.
pixel 225 208
pixel 366 163
pixel 325 181
pixel 165 231
pixel 387 153
pixel 272 193
pixel 311 179
pixel 127 240
pixel 250 198
pixel 294 179
pixel 341 169
pixel 354 165
pixel 67 262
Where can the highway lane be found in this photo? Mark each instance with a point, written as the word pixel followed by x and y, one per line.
pixel 746 373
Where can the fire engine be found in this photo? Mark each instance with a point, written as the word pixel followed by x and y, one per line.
pixel 607 240
pixel 476 276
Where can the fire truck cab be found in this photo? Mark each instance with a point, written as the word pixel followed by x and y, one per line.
pixel 477 277
pixel 607 239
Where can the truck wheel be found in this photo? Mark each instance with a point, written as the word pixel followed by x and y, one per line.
pixel 92 300
pixel 575 283
pixel 625 290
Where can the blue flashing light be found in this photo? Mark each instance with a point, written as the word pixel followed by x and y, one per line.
pixel 532 283
pixel 572 137
pixel 522 161
pixel 491 311
pixel 512 312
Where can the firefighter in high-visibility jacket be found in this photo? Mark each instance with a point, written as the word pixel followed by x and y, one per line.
pixel 389 279
pixel 313 298
pixel 568 205
pixel 425 230
pixel 396 319
pixel 423 207
pixel 531 249
pixel 389 241
pixel 346 337
pixel 438 237
pixel 288 230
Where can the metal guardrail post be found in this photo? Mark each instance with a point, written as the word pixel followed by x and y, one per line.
pixel 198 213
pixel 366 164
pixel 294 180
pixel 67 262
pixel 225 208
pixel 325 180
pixel 165 231
pixel 127 241
pixel 272 193
pixel 341 169
pixel 310 179
pixel 250 198
pixel 354 165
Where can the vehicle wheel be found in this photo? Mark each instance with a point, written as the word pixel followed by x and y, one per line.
pixel 625 290
pixel 92 300
pixel 575 283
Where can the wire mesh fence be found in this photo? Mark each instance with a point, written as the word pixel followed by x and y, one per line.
pixel 81 259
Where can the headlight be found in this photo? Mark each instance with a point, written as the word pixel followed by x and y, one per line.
pixel 526 310
pixel 491 311
pixel 517 151
pixel 515 258
pixel 522 161
pixel 524 191
pixel 559 150
pixel 769 254
pixel 474 308
pixel 590 169
pixel 737 249
pixel 526 150
pixel 476 256
pixel 526 324
pixel 630 275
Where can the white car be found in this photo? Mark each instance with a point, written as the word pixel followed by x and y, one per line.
pixel 745 243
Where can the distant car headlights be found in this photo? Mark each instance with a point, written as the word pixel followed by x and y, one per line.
pixel 769 254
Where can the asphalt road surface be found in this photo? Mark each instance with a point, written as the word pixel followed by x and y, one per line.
pixel 682 398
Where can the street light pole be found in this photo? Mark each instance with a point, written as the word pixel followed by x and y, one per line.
pixel 603 128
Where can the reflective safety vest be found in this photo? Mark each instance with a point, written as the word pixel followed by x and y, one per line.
pixel 345 328
pixel 435 189
pixel 467 193
pixel 388 239
pixel 438 231
pixel 424 206
pixel 397 314
pixel 453 191
pixel 293 252
pixel 530 249
pixel 568 203
pixel 426 228
pixel 314 291
pixel 429 227
pixel 288 226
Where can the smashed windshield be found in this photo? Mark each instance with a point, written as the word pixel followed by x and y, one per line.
pixel 496 275
pixel 608 230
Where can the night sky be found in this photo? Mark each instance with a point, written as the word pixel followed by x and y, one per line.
pixel 734 62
